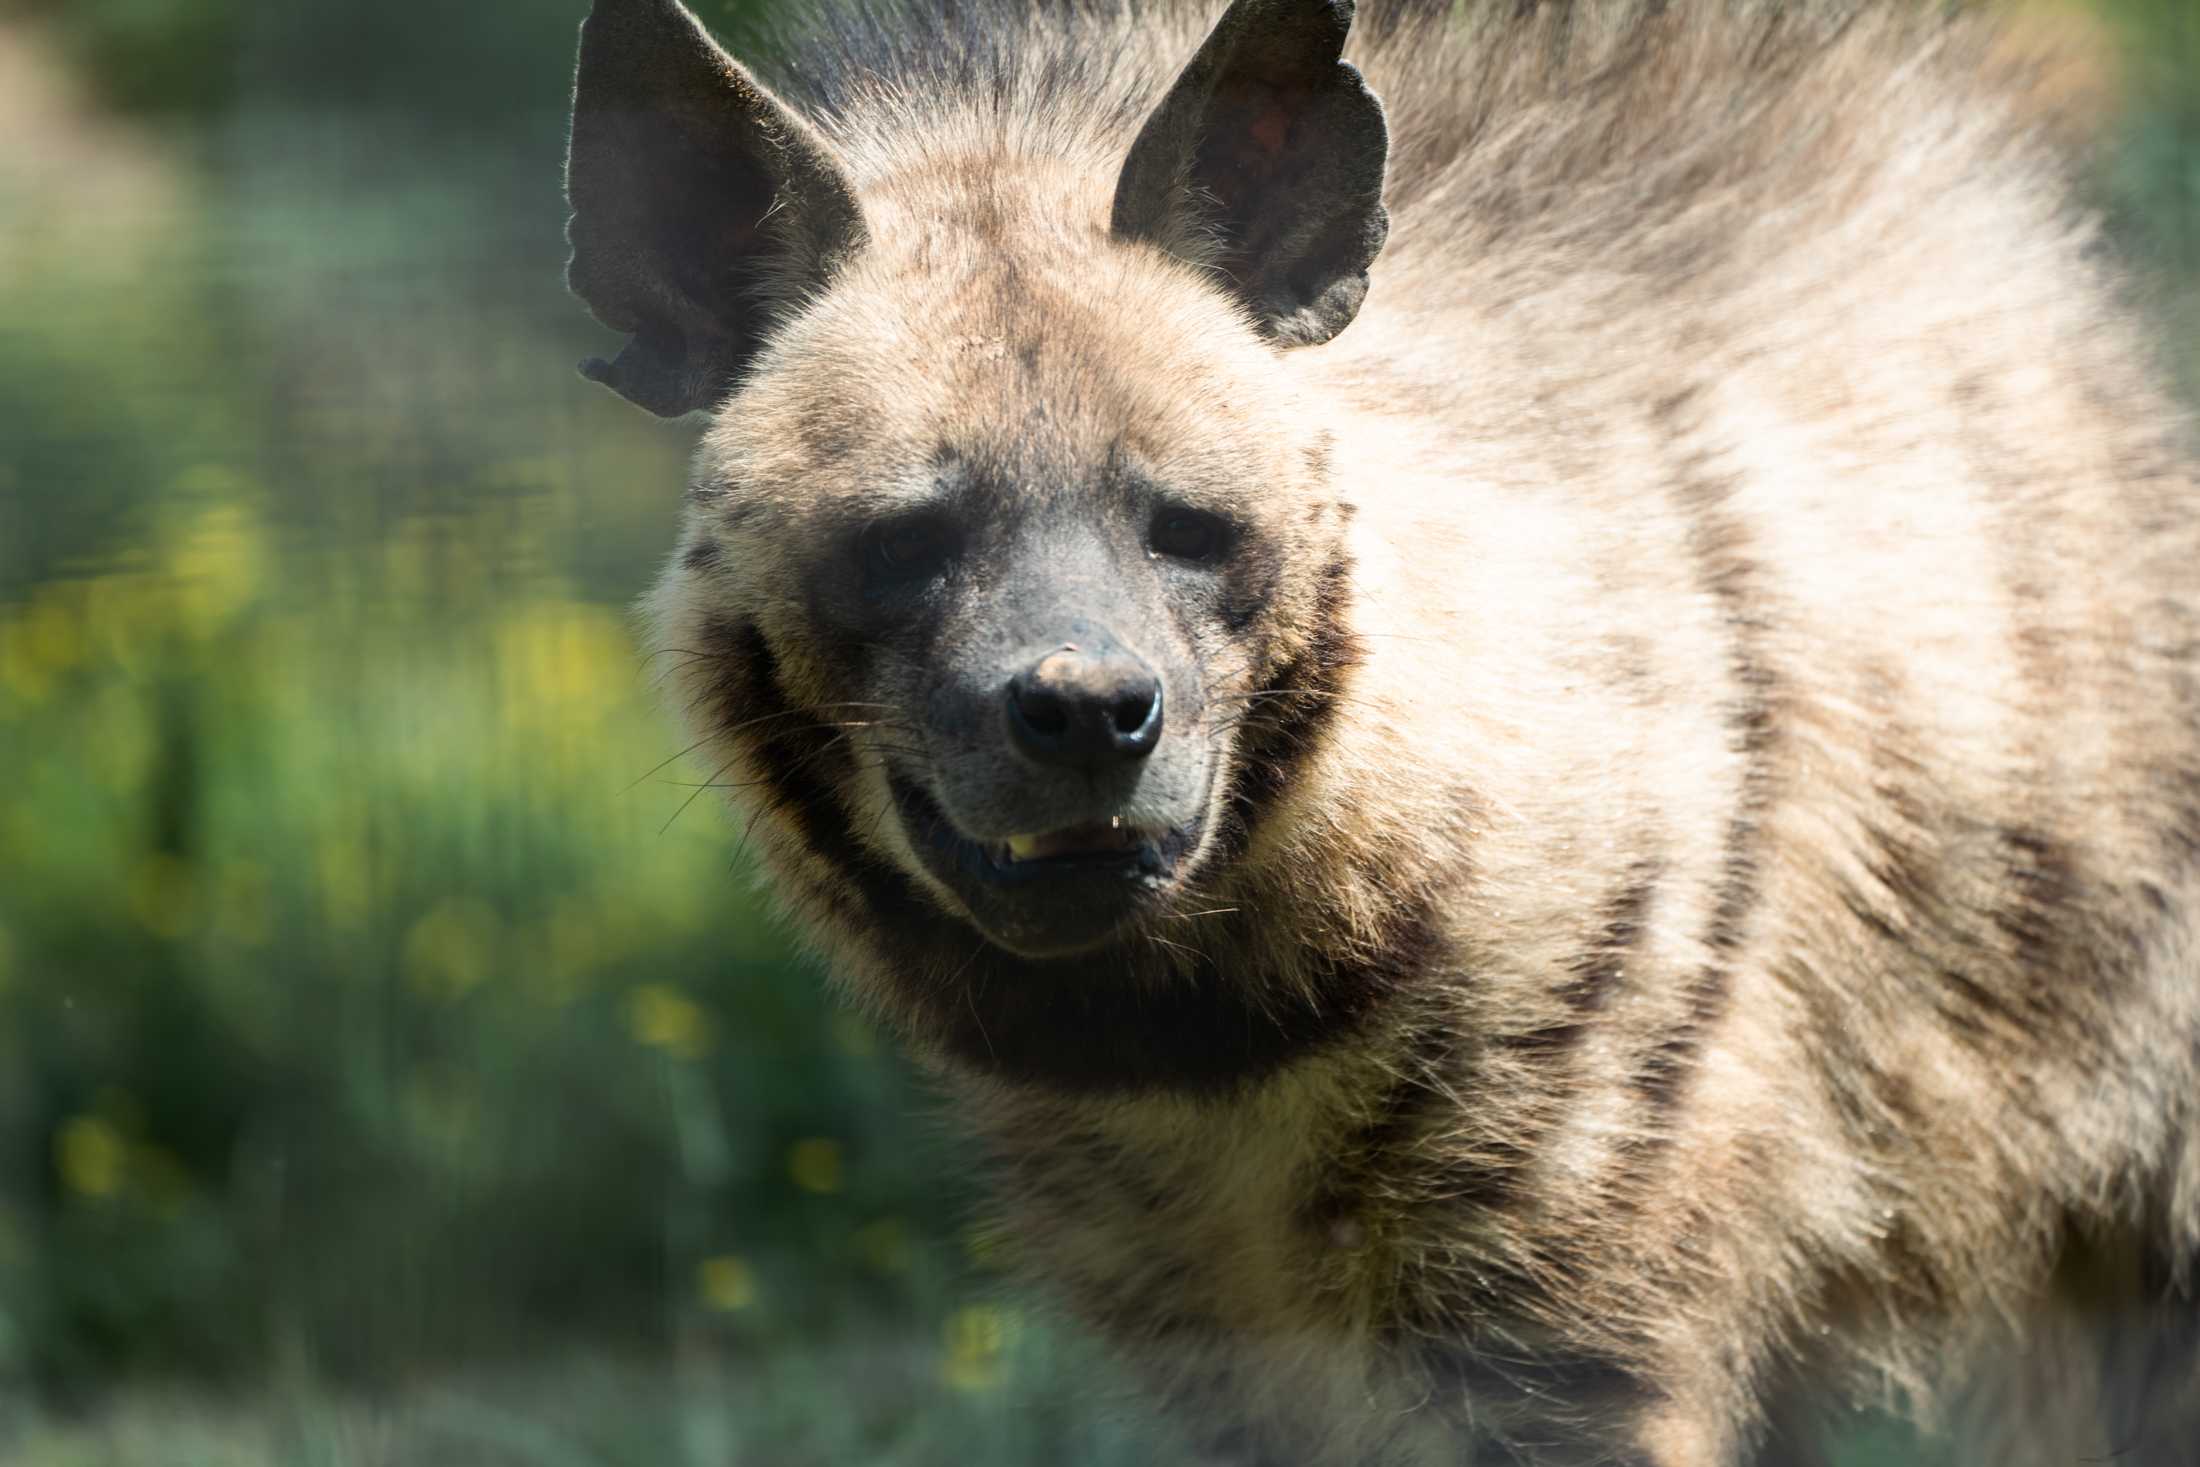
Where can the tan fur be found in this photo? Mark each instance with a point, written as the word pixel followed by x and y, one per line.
pixel 1769 749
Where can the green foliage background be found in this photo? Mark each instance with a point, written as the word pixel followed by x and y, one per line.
pixel 394 1064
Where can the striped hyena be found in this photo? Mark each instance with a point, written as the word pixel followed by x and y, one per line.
pixel 1530 753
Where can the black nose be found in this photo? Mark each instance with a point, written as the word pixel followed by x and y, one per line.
pixel 1085 708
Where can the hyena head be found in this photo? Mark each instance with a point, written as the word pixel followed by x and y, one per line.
pixel 1006 516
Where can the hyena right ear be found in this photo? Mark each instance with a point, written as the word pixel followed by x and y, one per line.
pixel 703 209
pixel 1265 161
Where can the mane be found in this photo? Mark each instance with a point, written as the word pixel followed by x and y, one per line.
pixel 1626 133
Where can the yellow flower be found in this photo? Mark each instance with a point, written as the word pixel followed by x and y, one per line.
pixel 218 564
pixel 37 646
pixel 725 1282
pixel 124 614
pixel 815 1164
pixel 347 883
pixel 244 907
pixel 453 949
pixel 50 633
pixel 573 944
pixel 164 894
pixel 91 1156
pixel 975 1336
pixel 564 661
pixel 663 1017
pixel 26 682
pixel 884 1245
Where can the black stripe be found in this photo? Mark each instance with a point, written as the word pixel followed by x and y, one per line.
pixel 1725 572
pixel 1550 1384
pixel 2067 940
pixel 1291 714
pixel 1515 1381
pixel 1500 1168
pixel 2031 963
pixel 1249 580
pixel 1596 971
pixel 1120 1021
pixel 2048 920
pixel 797 760
pixel 2029 523
pixel 1660 1077
pixel 1378 1154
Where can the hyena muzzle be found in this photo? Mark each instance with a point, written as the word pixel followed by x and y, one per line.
pixel 1529 752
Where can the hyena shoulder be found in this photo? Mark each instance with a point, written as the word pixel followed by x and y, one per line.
pixel 1514 705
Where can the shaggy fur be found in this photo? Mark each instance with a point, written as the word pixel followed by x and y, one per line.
pixel 1693 923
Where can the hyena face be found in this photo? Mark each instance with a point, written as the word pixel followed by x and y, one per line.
pixel 1009 487
pixel 1037 574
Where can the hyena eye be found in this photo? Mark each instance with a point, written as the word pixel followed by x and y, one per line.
pixel 1187 534
pixel 912 548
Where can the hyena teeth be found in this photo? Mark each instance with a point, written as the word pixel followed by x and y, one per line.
pixel 1667 769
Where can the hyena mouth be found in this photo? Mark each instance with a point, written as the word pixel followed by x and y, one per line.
pixel 1052 892
pixel 1091 849
pixel 1077 843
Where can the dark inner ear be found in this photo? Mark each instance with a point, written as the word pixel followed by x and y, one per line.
pixel 1265 161
pixel 703 209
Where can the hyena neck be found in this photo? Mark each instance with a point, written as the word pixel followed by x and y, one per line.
pixel 1279 1235
pixel 1234 1215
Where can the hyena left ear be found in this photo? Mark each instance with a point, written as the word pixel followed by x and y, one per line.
pixel 703 209
pixel 1265 161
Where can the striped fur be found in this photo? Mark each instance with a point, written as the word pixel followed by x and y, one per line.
pixel 1695 924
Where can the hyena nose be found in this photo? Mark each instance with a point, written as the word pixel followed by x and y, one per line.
pixel 1085 709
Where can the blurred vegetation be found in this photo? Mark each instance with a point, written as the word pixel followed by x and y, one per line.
pixel 375 1002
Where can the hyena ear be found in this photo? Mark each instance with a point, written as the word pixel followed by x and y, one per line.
pixel 1265 161
pixel 703 209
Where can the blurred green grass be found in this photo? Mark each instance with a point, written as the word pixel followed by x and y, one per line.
pixel 394 1067
pixel 875 1401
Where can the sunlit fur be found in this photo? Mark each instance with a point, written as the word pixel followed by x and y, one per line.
pixel 1730 798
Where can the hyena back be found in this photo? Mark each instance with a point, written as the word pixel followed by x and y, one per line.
pixel 1529 752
